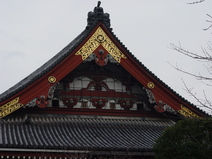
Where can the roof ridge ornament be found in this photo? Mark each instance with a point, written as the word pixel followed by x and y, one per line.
pixel 98 15
pixel 99 3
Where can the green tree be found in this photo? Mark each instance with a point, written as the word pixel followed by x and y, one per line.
pixel 188 139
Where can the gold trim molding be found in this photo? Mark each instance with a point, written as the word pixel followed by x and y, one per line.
pixel 100 38
pixel 187 112
pixel 10 107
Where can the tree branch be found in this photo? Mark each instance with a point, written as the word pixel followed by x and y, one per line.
pixel 203 103
pixel 199 77
pixel 207 57
pixel 210 21
pixel 196 2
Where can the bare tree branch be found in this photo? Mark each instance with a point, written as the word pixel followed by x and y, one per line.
pixel 209 16
pixel 210 46
pixel 199 77
pixel 196 2
pixel 210 21
pixel 200 1
pixel 208 27
pixel 206 57
pixel 202 102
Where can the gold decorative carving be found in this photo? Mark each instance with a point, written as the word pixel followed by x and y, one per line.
pixel 187 112
pixel 52 79
pixel 10 107
pixel 151 85
pixel 100 38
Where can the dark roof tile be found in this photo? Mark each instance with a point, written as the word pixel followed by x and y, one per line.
pixel 84 132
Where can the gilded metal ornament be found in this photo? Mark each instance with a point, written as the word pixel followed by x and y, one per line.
pixel 187 112
pixel 52 79
pixel 151 85
pixel 100 38
pixel 10 107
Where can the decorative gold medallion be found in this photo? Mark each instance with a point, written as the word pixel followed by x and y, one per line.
pixel 151 85
pixel 10 107
pixel 100 38
pixel 52 79
pixel 187 112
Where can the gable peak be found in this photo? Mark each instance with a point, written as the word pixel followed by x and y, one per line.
pixel 98 15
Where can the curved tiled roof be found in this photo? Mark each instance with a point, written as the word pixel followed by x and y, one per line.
pixel 93 18
pixel 81 133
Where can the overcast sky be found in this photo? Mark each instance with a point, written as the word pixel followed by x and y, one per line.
pixel 33 31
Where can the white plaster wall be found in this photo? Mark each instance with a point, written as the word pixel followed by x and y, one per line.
pixel 79 83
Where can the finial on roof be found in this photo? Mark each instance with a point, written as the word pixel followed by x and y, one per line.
pixel 98 15
pixel 99 3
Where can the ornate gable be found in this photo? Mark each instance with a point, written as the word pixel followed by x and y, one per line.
pixel 95 68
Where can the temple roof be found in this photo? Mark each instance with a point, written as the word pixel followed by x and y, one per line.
pixel 81 132
pixel 94 18
pixel 57 129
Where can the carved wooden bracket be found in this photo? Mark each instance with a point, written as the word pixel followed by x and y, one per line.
pixel 70 102
pixel 159 107
pixel 98 103
pixel 42 101
pixel 126 104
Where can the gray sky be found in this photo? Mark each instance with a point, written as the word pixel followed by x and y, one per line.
pixel 33 31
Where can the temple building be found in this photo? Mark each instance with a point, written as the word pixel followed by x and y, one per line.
pixel 94 99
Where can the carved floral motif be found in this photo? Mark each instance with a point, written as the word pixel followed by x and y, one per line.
pixel 150 95
pixel 186 112
pixel 51 90
pixel 10 107
pixel 100 38
pixel 32 103
pixel 42 101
